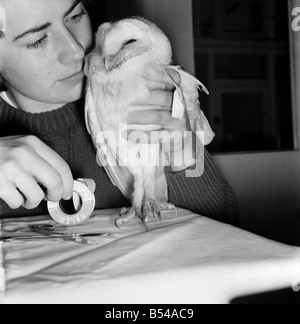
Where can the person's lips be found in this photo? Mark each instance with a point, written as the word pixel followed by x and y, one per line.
pixel 74 77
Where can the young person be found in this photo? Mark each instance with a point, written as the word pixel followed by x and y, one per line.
pixel 44 144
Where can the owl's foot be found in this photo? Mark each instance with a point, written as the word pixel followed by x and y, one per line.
pixel 151 208
pixel 154 208
pixel 127 214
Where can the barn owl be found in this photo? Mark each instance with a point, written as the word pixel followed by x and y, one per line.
pixel 124 51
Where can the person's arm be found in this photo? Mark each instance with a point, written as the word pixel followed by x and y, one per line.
pixel 208 195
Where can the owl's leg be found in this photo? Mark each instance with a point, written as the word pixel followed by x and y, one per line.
pixel 149 187
pixel 127 214
pixel 156 193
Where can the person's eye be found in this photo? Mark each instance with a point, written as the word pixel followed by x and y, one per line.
pixel 40 43
pixel 77 18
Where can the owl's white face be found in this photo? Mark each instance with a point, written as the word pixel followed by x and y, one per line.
pixel 118 43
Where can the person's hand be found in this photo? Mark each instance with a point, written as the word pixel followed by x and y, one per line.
pixel 31 172
pixel 156 109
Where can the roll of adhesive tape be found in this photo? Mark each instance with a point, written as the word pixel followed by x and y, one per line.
pixel 83 188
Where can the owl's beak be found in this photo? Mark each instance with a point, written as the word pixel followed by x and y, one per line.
pixel 109 62
pixel 113 62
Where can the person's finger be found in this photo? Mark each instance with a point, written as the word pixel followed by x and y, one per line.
pixel 160 75
pixel 12 196
pixel 160 85
pixel 153 137
pixel 156 98
pixel 31 191
pixel 37 167
pixel 149 117
pixel 160 79
pixel 49 178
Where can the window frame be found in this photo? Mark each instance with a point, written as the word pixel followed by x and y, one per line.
pixel 295 74
pixel 175 17
pixel 294 95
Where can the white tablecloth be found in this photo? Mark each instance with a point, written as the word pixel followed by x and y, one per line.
pixel 185 260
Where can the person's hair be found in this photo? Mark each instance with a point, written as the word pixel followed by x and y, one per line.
pixel 87 3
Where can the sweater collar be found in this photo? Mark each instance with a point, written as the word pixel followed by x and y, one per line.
pixel 40 123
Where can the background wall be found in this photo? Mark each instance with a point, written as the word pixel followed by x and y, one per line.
pixel 267 184
pixel 268 189
pixel 177 24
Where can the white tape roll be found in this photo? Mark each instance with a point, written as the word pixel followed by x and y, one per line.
pixel 83 188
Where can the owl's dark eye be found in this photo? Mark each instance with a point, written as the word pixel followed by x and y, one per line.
pixel 131 41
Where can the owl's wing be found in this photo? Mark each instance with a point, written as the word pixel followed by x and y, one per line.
pixel 186 96
pixel 106 156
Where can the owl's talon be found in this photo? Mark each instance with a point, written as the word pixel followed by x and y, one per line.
pixel 155 208
pixel 143 221
pixel 124 211
pixel 118 223
pixel 151 208
pixel 176 211
pixel 126 214
pixel 168 206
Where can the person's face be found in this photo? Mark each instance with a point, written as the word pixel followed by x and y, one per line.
pixel 43 51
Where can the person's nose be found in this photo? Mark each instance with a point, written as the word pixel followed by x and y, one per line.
pixel 71 51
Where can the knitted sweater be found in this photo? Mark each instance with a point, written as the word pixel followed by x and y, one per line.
pixel 64 131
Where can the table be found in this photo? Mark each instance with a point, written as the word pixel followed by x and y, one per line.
pixel 188 259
